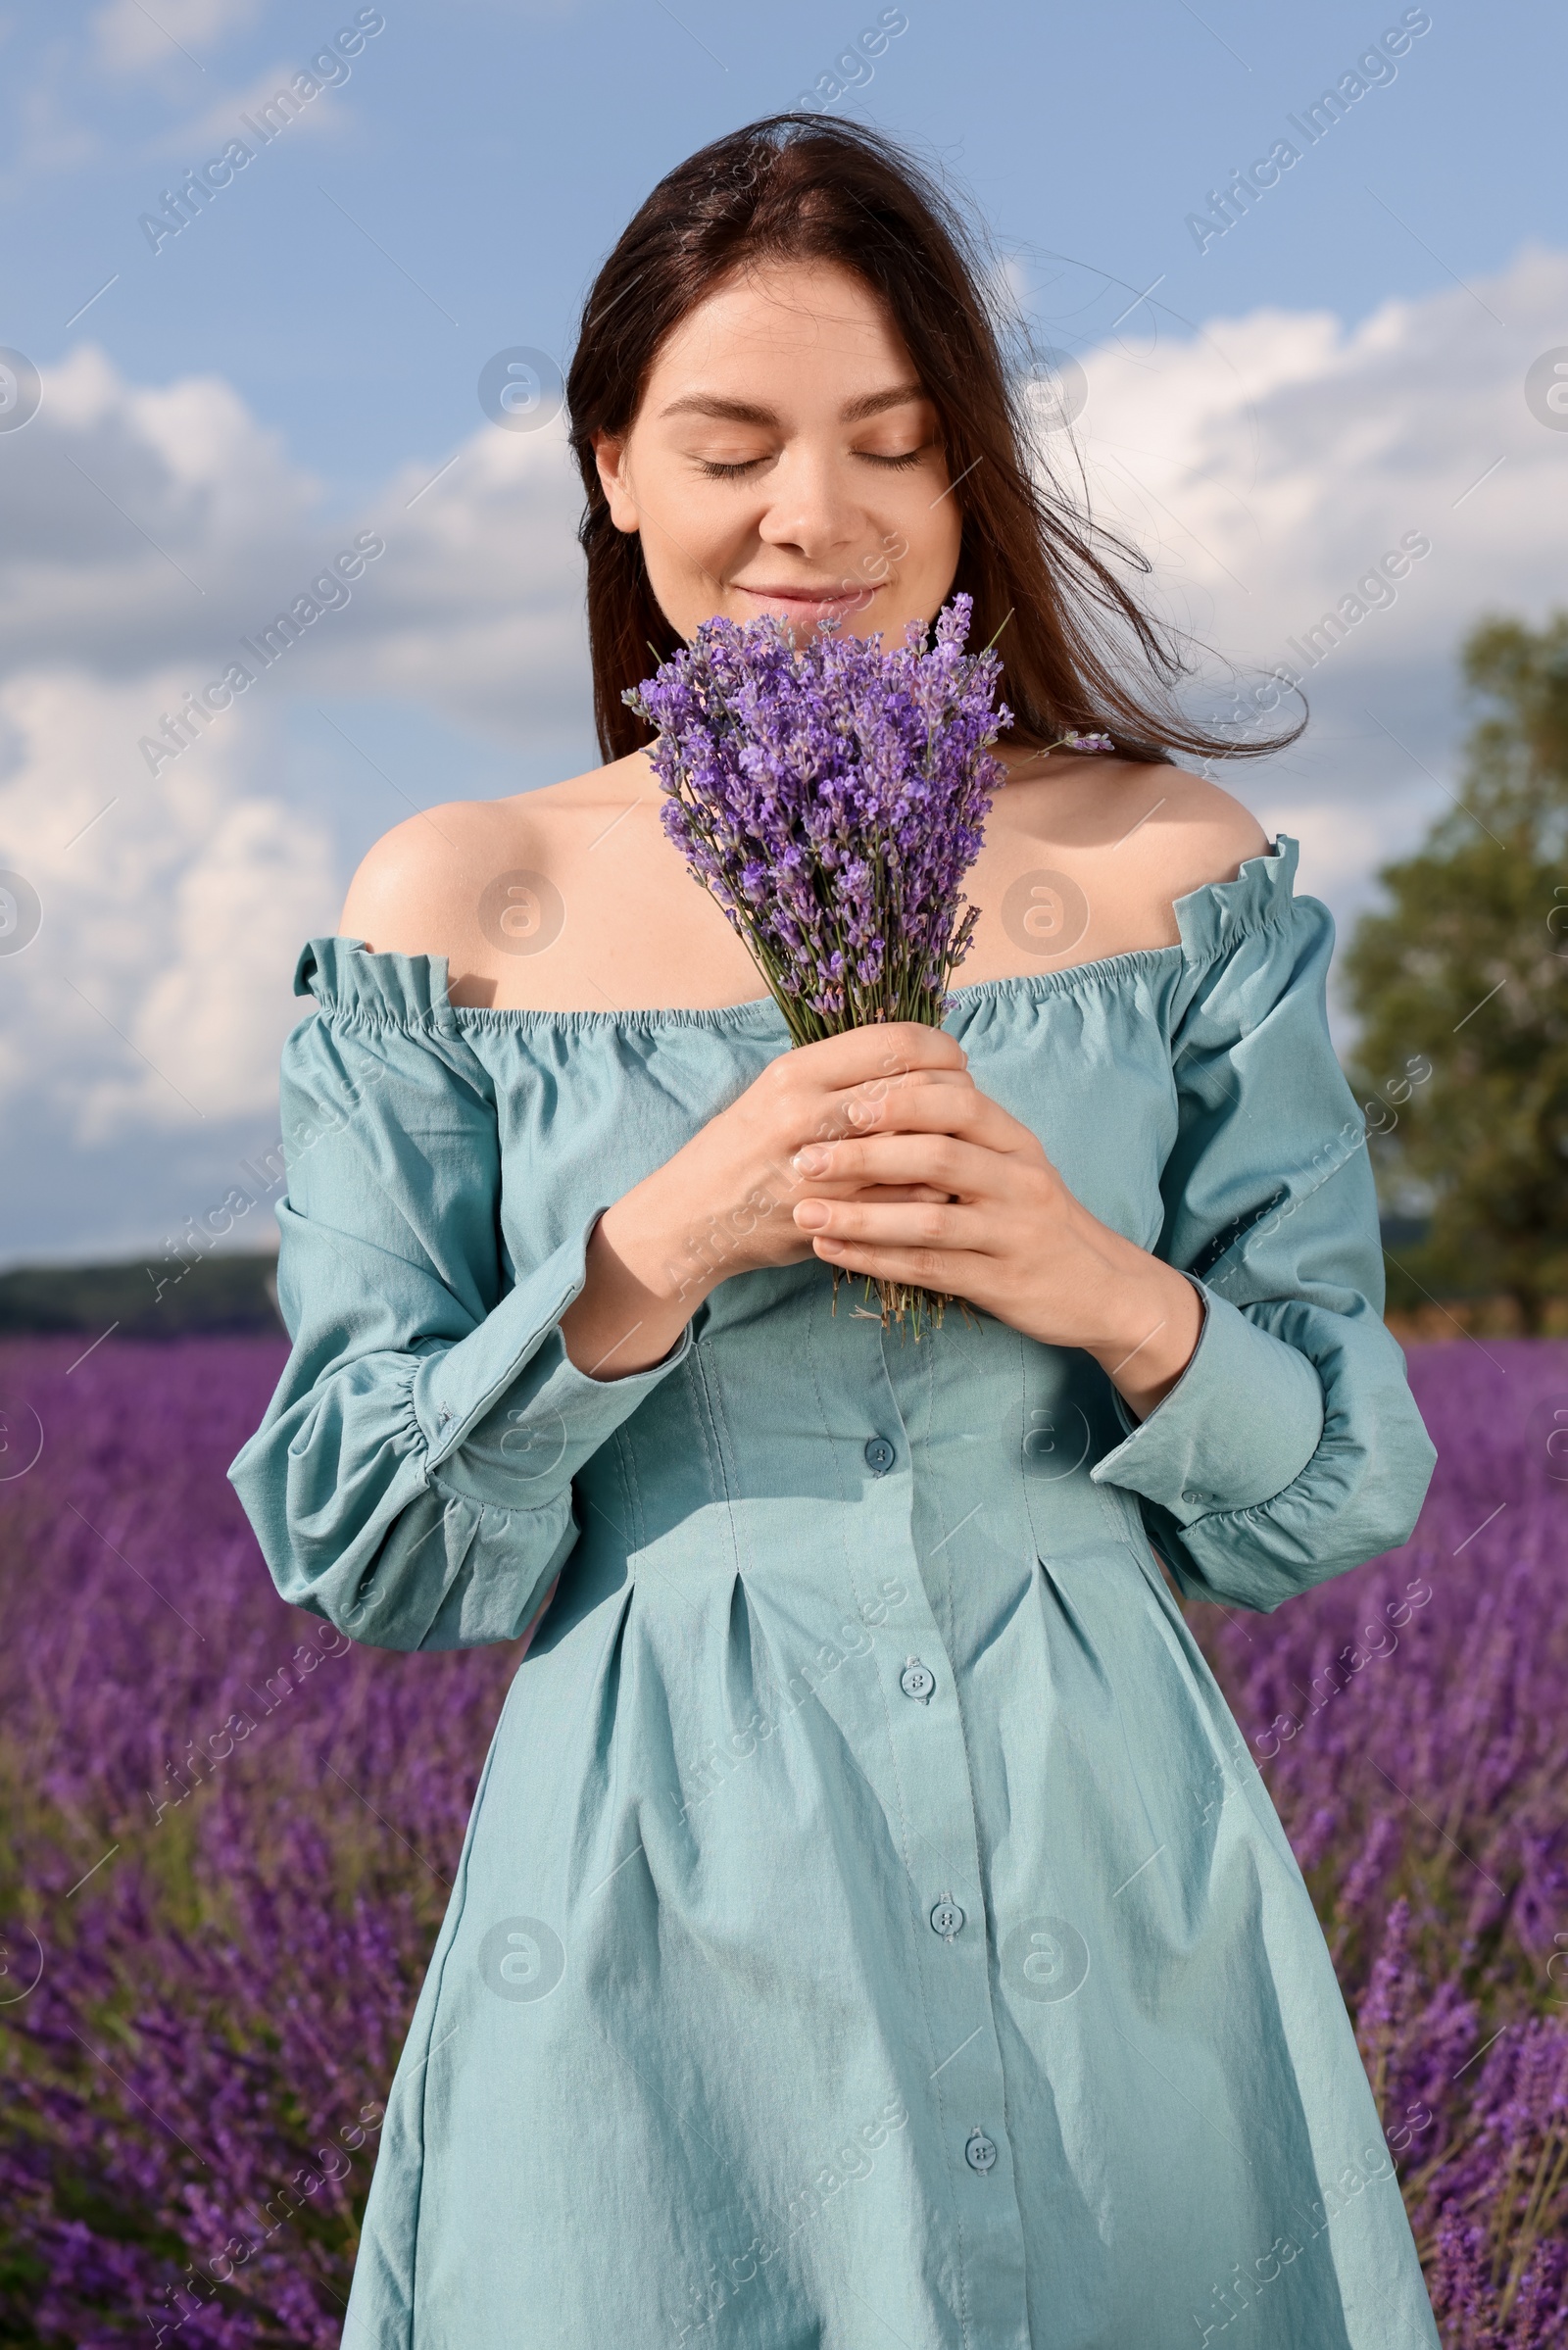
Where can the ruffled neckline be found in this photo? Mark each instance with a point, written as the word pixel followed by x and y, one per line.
pixel 410 990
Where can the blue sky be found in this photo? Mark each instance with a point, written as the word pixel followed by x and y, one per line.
pixel 1338 367
pixel 495 153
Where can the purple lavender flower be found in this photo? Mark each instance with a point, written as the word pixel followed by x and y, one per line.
pixel 1409 1721
pixel 235 1939
pixel 832 797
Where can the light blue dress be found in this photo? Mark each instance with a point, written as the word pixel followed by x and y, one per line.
pixel 871 1927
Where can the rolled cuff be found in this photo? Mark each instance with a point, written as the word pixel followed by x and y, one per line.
pixel 1240 1425
pixel 506 1415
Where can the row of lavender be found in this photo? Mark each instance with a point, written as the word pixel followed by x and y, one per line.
pixel 233 1833
pixel 1411 1723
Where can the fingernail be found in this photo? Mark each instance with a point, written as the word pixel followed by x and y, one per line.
pixel 811 1216
pixel 812 1160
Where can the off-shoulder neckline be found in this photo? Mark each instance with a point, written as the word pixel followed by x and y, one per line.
pixel 342 973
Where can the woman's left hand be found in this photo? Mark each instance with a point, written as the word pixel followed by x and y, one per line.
pixel 1010 1237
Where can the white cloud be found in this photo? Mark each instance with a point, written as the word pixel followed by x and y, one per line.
pixel 220 122
pixel 152 529
pixel 155 992
pixel 1268 464
pixel 1264 465
pixel 129 38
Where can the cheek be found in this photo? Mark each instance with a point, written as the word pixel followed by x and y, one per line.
pixel 921 532
pixel 930 519
pixel 694 534
pixel 942 553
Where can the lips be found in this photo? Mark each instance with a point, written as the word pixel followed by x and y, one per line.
pixel 810 604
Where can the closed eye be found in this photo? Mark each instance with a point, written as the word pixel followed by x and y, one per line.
pixel 712 471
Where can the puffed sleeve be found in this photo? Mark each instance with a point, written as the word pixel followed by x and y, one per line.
pixel 412 1479
pixel 1291 1447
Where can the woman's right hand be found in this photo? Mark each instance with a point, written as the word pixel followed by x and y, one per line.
pixel 721 1206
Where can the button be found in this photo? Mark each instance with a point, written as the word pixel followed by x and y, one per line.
pixel 880 1455
pixel 1195 1500
pixel 918 1681
pixel 947 1919
pixel 981 2152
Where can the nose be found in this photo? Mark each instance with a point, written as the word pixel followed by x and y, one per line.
pixel 814 509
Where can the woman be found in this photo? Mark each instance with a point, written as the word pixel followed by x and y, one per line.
pixel 870 1926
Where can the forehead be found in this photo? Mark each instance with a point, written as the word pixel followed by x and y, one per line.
pixel 811 318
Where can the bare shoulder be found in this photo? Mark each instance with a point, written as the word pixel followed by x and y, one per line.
pixel 409 892
pixel 1171 833
pixel 1195 832
pixel 1133 838
pixel 418 889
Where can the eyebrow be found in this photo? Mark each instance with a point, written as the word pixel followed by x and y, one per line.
pixel 745 411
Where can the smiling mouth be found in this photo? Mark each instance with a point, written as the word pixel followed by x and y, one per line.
pixel 811 600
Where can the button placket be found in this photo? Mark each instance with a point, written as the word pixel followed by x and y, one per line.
pixel 939 1803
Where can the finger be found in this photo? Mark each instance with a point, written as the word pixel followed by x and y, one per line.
pixel 962 1112
pixel 883 1195
pixel 912 1224
pixel 966 1112
pixel 879 1194
pixel 944 1161
pixel 886 1050
pixel 955 1272
pixel 889 1090
pixel 827 1117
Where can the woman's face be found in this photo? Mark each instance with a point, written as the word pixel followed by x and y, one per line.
pixel 785 460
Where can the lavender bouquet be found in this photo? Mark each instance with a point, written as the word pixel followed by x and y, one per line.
pixel 831 796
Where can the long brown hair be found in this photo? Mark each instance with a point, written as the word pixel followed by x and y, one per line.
pixel 1079 651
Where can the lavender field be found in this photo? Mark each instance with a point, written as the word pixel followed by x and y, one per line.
pixel 231 1834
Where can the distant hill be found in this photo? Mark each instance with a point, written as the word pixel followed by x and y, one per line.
pixel 225 1291
pixel 239 1291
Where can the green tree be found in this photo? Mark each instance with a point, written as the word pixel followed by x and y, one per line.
pixel 1466 975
